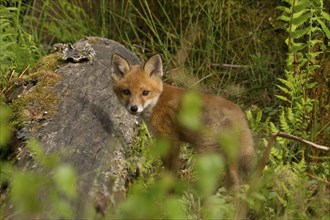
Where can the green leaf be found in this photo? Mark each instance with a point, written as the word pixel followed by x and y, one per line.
pixel 273 128
pixel 216 207
pixel 4 24
pixel 36 149
pixel 161 147
pixel 283 98
pixel 316 29
pixel 314 42
pixel 299 33
pixel 311 85
pixel 249 115
pixel 296 47
pixel 62 209
pixel 287 83
pixel 4 37
pixel 325 15
pixel 284 18
pixel 175 209
pixel 302 6
pixel 137 206
pixel 208 169
pixel 324 27
pixel 284 9
pixel 283 122
pixel 5 128
pixel 65 179
pixel 25 192
pixel 312 68
pixel 190 114
pixel 301 19
pixel 289 115
pixel 285 90
pixel 259 116
pixel 48 161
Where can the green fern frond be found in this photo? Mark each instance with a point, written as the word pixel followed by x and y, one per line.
pixel 297 46
pixel 300 19
pixel 283 89
pixel 283 122
pixel 324 27
pixel 299 33
pixel 302 61
pixel 316 29
pixel 277 153
pixel 249 115
pixel 284 18
pixel 312 85
pixel 290 116
pixel 284 9
pixel 259 116
pixel 283 98
pixel 4 23
pixel 302 6
pixel 287 83
pixel 325 15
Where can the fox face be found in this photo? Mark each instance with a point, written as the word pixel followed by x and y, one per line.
pixel 137 88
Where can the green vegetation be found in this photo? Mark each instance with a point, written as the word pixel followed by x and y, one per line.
pixel 271 57
pixel 56 183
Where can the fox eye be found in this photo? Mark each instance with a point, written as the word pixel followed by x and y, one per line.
pixel 126 92
pixel 145 92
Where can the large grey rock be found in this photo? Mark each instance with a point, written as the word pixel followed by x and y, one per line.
pixel 90 129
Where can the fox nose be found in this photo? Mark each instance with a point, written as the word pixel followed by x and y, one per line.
pixel 134 108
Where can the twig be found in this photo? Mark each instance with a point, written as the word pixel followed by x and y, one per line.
pixel 255 178
pixel 201 80
pixel 318 178
pixel 295 138
pixel 229 65
pixel 262 163
pixel 6 89
pixel 3 91
pixel 24 71
pixel 11 75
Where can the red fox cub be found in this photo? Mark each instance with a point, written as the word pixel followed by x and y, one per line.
pixel 141 90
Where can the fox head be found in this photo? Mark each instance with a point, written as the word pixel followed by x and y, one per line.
pixel 137 88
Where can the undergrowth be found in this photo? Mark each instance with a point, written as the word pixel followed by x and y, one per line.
pixel 308 43
pixel 18 49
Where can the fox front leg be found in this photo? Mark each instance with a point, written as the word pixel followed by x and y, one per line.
pixel 171 159
pixel 232 178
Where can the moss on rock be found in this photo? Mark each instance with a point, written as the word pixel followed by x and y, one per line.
pixel 36 99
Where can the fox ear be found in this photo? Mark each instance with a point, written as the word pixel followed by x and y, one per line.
pixel 154 66
pixel 119 67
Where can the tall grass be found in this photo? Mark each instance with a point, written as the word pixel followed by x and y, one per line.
pixel 221 46
pixel 17 47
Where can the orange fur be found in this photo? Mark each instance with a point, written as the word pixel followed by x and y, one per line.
pixel 142 92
